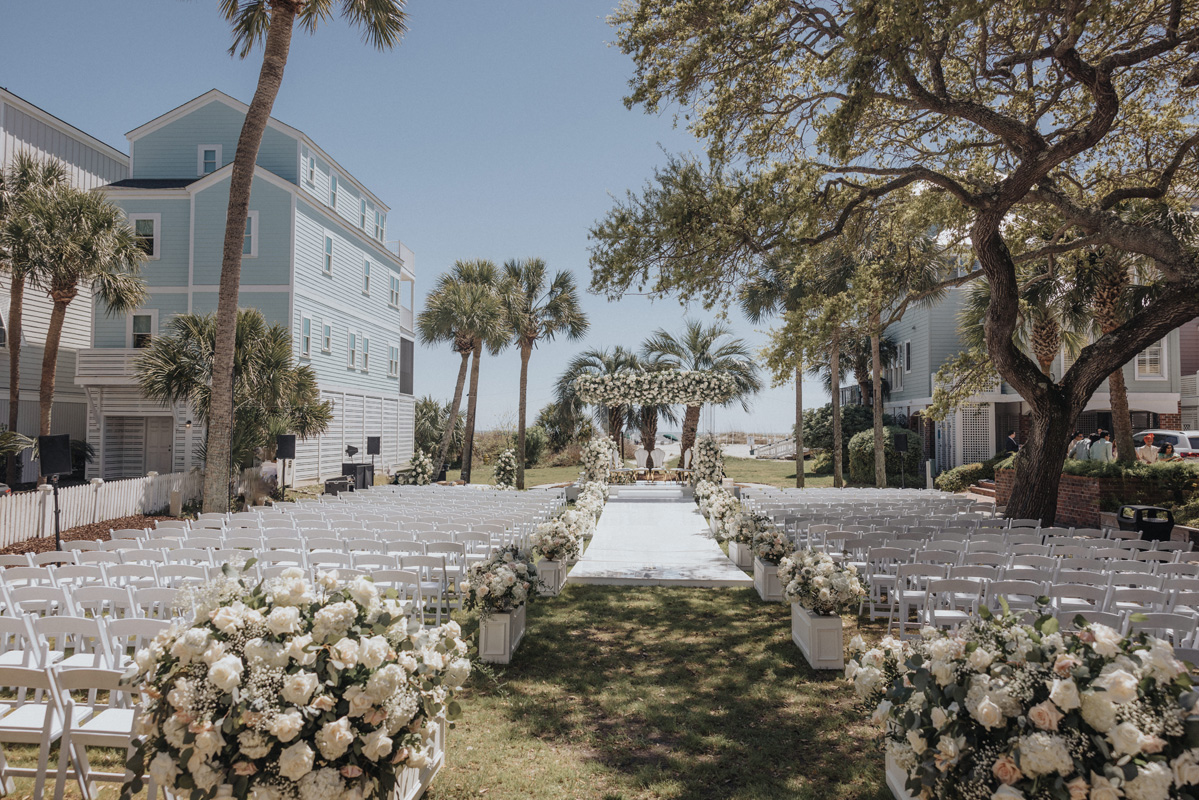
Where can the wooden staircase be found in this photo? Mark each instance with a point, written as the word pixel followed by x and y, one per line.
pixel 985 487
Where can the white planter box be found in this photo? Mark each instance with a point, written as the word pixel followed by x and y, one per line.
pixel 553 575
pixel 896 778
pixel 766 581
pixel 500 635
pixel 412 783
pixel 712 524
pixel 818 638
pixel 741 554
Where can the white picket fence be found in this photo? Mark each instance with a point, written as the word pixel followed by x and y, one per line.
pixel 31 514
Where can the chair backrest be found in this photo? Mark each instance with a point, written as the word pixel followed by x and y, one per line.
pixel 103 601
pixel 52 558
pixel 15 637
pixel 127 636
pixel 658 457
pixel 177 575
pixel 15 561
pixel 974 573
pixel 27 576
pixel 40 601
pixel 77 545
pixel 156 603
pixel 78 574
pixel 640 455
pixel 82 635
pixel 1096 595
pixel 1174 628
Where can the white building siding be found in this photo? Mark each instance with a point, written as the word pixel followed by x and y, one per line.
pixel 22 127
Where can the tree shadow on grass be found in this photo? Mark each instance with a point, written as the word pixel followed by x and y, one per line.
pixel 689 693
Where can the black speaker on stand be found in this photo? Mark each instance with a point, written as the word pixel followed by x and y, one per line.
pixel 285 450
pixel 374 447
pixel 54 459
pixel 901 447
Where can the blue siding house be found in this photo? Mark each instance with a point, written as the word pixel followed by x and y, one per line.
pixel 316 258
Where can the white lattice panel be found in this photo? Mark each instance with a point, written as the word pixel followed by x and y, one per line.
pixel 977 432
pixel 946 435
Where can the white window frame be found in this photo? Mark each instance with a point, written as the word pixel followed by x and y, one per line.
pixel 252 218
pixel 157 220
pixel 327 249
pixel 333 190
pixel 380 224
pixel 1163 375
pixel 393 360
pixel 305 338
pixel 366 276
pixel 4 331
pixel 326 337
pixel 352 350
pixel 200 158
pixel 362 208
pixel 310 178
pixel 366 353
pixel 152 313
pixel 393 291
pixel 905 354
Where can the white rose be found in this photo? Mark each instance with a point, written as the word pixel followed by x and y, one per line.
pixel 359 700
pixel 1098 711
pixel 163 769
pixel 344 654
pixel 253 744
pixel 939 717
pixel 1121 686
pixel 334 738
pixel 285 726
pixel 1107 640
pixel 1104 789
pixel 225 674
pixel 173 730
pixel 980 659
pixel 208 742
pixel 298 688
pixel 227 618
pixel 204 775
pixel 283 619
pixel 1186 767
pixel 988 714
pixel 363 591
pixel 1007 793
pixel 376 745
pixel 374 652
pixel 1152 782
pixel 296 761
pixel 919 743
pixel 881 712
pixel 457 672
pixel 298 650
pixel 1064 694
pixel 1126 738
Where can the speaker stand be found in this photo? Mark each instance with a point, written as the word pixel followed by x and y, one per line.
pixel 57 512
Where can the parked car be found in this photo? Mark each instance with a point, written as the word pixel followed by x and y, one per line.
pixel 1186 443
pixel 4 490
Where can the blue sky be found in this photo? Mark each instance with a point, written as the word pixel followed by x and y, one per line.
pixel 495 130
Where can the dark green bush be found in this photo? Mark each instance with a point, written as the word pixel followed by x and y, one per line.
pixel 536 443
pixel 861 456
pixel 961 478
pixel 818 426
pixel 822 463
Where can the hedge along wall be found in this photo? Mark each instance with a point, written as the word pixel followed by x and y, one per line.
pixel 1081 498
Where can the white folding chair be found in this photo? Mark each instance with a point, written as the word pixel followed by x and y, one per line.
pixel 31 721
pixel 82 637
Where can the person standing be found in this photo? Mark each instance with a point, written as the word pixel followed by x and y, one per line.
pixel 1166 453
pixel 1010 445
pixel 1103 450
pixel 1079 447
pixel 1147 453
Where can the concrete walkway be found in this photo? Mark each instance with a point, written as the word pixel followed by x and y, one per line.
pixel 655 536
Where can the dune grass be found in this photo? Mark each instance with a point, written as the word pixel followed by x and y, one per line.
pixel 629 693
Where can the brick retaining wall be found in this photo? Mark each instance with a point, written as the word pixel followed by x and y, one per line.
pixel 1080 499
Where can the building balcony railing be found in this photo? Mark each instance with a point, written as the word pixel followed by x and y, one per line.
pixel 106 366
pixel 1190 389
pixel 406 318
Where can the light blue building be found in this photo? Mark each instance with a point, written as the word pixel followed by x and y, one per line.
pixel 317 258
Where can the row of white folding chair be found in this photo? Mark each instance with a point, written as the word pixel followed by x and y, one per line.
pixel 150 602
pixel 74 709
pixel 69 642
pixel 329 540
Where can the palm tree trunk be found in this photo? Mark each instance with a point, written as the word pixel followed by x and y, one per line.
pixel 525 351
pixel 799 460
pixel 690 426
pixel 1121 419
pixel 468 443
pixel 50 359
pixel 16 302
pixel 220 415
pixel 834 363
pixel 452 418
pixel 876 399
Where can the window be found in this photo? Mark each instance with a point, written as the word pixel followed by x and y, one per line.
pixel 145 228
pixel 393 361
pixel 366 354
pixel 380 223
pixel 362 215
pixel 1151 362
pixel 326 338
pixel 305 337
pixel 249 239
pixel 312 172
pixel 352 355
pixel 141 328
pixel 208 158
pixel 366 276
pixel 328 254
pixel 393 295
pixel 406 350
pixel 907 356
pixel 3 332
pixel 333 192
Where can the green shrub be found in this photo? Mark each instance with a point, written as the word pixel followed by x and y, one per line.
pixel 536 443
pixel 961 478
pixel 822 463
pixel 861 456
pixel 818 426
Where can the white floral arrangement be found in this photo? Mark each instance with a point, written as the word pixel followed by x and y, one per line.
pixel 749 526
pixel 724 510
pixel 502 583
pixel 1006 710
pixel 664 387
pixel 292 689
pixel 421 473
pixel 591 499
pixel 873 669
pixel 580 522
pixel 505 470
pixel 771 545
pixel 708 462
pixel 704 490
pixel 597 458
pixel 820 584
pixel 555 540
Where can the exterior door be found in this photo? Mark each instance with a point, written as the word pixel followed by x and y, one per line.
pixel 159 432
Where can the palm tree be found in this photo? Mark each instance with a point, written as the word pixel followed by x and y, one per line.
pixel 463 309
pixel 75 239
pixel 614 420
pixel 537 312
pixel 272 395
pixel 25 176
pixel 773 290
pixel 709 348
pixel 382 23
pixel 493 336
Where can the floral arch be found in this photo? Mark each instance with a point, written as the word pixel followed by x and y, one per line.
pixel 667 387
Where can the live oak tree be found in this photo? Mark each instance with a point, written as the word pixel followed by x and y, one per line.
pixel 271 22
pixel 1005 113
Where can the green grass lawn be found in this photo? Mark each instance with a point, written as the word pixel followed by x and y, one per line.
pixel 484 473
pixel 623 693
pixel 773 473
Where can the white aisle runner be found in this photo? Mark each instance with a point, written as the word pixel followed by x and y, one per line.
pixel 654 536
